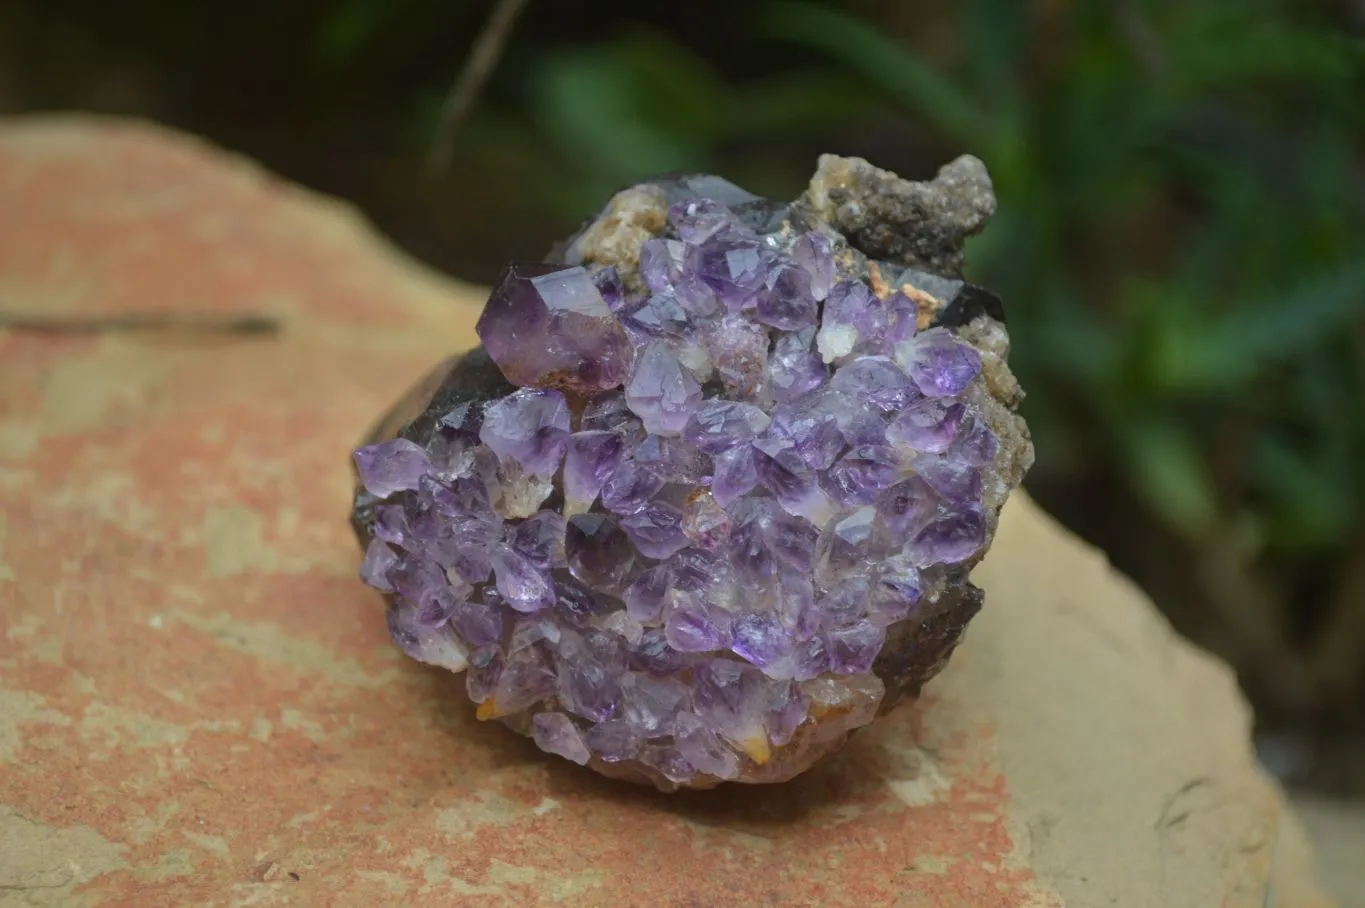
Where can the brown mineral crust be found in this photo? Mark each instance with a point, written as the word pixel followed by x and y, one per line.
pixel 614 238
pixel 910 223
pixel 918 648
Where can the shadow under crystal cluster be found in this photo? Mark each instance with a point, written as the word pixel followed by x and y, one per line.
pixel 706 499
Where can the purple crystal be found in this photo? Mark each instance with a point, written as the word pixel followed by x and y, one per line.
pixel 391 525
pixel 436 610
pixel 525 680
pixel 938 363
pixel 589 460
pixel 695 626
pixel 894 596
pixel 953 479
pixel 796 604
pixel 734 268
pixel 703 750
pixel 661 264
pixel 704 522
pixel 485 668
pixel 654 655
pixel 629 488
pixel 451 453
pixel 738 349
pixel 845 602
pixel 549 325
pixel 861 473
pixel 949 539
pixel 434 646
pixel 530 426
pixel 608 283
pixel 613 740
pixel 645 597
pixel 814 252
pixel 590 670
pixel 478 622
pixel 465 547
pixel 844 312
pixel 379 560
pixel 417 579
pixel 718 425
pixel 609 411
pixel 732 699
pixel 760 638
pixel 794 369
pixel 786 709
pixel 929 424
pixel 876 381
pixel 555 733
pixel 650 705
pixel 658 316
pixel 391 466
pixel 540 538
pixel 794 486
pixel 736 474
pixel 525 587
pixel 598 551
pixel 846 545
pixel 661 392
pixel 656 529
pixel 786 300
pixel 809 427
pixel 764 538
pixel 902 319
pixel 698 570
pixel 697 220
pixel 975 442
pixel 853 648
pixel 905 508
pixel 667 761
pixel 672 459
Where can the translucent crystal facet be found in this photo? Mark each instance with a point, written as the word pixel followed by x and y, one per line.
pixel 548 325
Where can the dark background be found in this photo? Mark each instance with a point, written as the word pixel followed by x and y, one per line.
pixel 1180 242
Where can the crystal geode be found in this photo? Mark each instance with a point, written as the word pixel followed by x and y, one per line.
pixel 707 498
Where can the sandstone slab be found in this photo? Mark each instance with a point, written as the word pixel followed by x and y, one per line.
pixel 199 703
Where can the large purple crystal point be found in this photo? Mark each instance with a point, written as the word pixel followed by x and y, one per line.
pixel 708 497
pixel 549 326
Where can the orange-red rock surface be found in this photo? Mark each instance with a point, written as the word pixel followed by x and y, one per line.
pixel 199 704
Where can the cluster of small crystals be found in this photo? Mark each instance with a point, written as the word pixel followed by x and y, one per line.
pixel 702 506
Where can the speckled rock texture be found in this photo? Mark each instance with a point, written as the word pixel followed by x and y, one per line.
pixel 198 705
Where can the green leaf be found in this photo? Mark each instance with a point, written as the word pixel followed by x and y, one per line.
pixel 996 34
pixel 1280 327
pixel 602 107
pixel 1311 507
pixel 1169 473
pixel 884 63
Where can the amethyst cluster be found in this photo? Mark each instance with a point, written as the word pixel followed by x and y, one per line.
pixel 705 500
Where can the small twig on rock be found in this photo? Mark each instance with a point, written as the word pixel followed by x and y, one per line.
pixel 175 322
pixel 465 91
